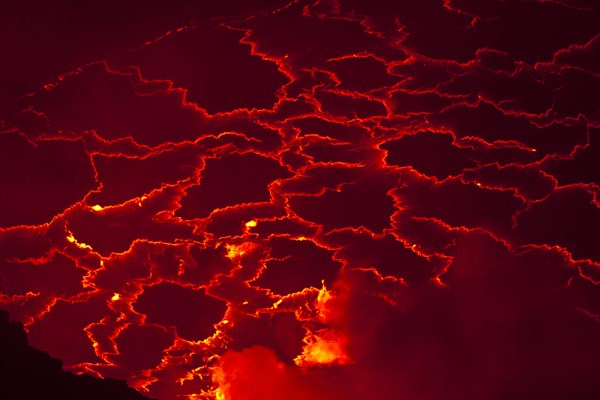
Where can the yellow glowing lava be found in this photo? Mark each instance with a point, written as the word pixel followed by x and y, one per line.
pixel 238 250
pixel 222 390
pixel 115 297
pixel 234 251
pixel 325 346
pixel 438 281
pixel 141 199
pixel 97 208
pixel 251 224
pixel 323 352
pixel 318 350
pixel 322 298
pixel 71 239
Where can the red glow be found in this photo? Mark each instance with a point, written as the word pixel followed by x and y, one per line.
pixel 306 200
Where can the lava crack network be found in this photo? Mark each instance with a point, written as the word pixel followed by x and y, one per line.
pixel 316 199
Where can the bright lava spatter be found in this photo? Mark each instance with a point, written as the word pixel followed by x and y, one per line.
pixel 317 199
